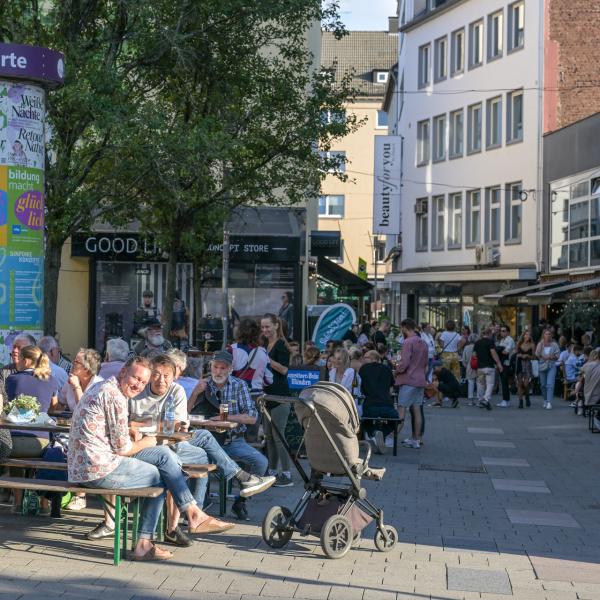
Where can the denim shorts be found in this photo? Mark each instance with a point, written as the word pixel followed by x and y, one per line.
pixel 409 395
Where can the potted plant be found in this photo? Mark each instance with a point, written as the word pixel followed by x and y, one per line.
pixel 23 409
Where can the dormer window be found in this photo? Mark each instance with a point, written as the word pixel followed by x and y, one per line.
pixel 380 76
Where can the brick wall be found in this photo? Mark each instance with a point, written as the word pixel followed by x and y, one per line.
pixel 572 61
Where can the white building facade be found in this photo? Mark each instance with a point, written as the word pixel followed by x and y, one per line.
pixel 468 104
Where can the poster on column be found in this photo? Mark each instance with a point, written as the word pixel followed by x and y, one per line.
pixel 21 211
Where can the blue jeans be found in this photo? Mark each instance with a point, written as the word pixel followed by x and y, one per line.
pixel 203 449
pixel 547 379
pixel 151 467
pixel 240 451
pixel 383 411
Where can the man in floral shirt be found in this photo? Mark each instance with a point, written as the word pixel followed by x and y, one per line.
pixel 102 455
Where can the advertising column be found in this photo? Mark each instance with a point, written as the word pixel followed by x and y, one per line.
pixel 25 73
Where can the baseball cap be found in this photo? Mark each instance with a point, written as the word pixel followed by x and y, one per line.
pixel 223 356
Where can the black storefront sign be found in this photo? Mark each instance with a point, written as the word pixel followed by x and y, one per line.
pixel 325 243
pixel 132 247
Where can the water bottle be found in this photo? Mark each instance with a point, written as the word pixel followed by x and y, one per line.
pixel 169 416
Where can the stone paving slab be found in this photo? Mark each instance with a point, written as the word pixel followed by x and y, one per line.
pixel 479 580
pixel 557 569
pixel 534 517
pixel 493 444
pixel 458 544
pixel 489 430
pixel 520 485
pixel 489 461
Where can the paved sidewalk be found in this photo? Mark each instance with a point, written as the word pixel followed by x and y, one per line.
pixel 495 505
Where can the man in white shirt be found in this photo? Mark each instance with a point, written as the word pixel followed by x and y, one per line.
pixel 49 346
pixel 505 347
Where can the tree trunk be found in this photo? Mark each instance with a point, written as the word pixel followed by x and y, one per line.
pixel 198 268
pixel 171 281
pixel 52 261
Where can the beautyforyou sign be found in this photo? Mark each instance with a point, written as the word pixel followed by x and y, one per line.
pixel 22 115
pixel 333 323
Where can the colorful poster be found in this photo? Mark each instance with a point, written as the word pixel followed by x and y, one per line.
pixel 21 208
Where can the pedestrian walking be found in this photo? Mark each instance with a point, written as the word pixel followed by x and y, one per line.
pixel 523 367
pixel 470 372
pixel 448 342
pixel 505 348
pixel 484 351
pixel 547 352
pixel 411 377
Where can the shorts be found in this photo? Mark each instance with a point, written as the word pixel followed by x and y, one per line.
pixel 409 395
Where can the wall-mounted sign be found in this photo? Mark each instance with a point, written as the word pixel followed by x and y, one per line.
pixel 325 243
pixel 268 248
pixel 32 63
pixel 115 246
pixel 386 188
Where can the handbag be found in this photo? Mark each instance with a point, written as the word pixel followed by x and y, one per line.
pixel 543 365
pixel 535 368
pixel 474 363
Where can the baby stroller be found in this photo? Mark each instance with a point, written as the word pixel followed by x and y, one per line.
pixel 334 512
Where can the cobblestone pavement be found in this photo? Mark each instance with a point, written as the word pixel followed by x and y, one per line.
pixel 496 504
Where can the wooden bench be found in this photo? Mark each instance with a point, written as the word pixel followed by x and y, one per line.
pixel 122 502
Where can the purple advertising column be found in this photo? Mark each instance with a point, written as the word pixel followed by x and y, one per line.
pixel 26 72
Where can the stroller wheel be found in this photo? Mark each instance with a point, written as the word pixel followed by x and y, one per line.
pixel 336 536
pixel 274 530
pixel 380 542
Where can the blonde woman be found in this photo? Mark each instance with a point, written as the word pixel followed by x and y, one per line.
pixel 547 352
pixel 342 372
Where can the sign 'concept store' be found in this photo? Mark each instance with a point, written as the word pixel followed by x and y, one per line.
pixel 26 72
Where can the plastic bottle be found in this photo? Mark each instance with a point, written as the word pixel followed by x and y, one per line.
pixel 169 416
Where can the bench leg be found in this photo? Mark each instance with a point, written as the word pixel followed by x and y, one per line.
pixel 135 524
pixel 117 541
pixel 222 495
pixel 125 531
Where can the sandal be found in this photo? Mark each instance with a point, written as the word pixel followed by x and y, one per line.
pixel 212 525
pixel 152 555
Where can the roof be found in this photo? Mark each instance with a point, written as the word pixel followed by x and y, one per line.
pixel 360 53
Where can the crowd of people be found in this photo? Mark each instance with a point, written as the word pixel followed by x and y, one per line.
pixel 119 400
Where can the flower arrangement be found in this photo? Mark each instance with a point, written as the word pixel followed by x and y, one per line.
pixel 24 405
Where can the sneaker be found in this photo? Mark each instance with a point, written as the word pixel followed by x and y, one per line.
pixel 548 405
pixel 503 404
pixel 100 531
pixel 283 481
pixel 379 441
pixel 238 508
pixel 389 441
pixel 545 404
pixel 256 485
pixel 573 404
pixel 487 405
pixel 76 503
pixel 178 538
pixel 414 444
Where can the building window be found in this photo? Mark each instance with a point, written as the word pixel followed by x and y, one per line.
pixel 382 119
pixel 331 206
pixel 457 52
pixel 492 214
pixel 494 122
pixel 474 128
pixel 440 59
pixel 514 117
pixel 379 250
pixel 475 44
pixel 422 235
pixel 495 23
pixel 456 133
pixel 437 223
pixel 439 138
pixel 423 142
pixel 334 161
pixel 424 66
pixel 513 213
pixel 516 26
pixel 455 220
pixel 329 117
pixel 473 217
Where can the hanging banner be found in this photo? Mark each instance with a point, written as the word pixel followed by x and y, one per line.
pixel 386 188
pixel 362 268
pixel 332 324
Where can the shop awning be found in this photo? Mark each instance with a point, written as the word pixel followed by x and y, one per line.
pixel 339 276
pixel 546 296
pixel 506 294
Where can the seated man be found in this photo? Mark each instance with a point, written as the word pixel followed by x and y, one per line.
pixel 376 381
pixel 447 384
pixel 102 455
pixel 201 449
pixel 572 364
pixel 222 388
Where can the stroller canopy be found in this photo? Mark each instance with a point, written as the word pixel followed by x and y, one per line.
pixel 337 412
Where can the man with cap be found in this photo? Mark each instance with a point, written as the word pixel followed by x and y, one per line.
pixel 153 342
pixel 222 388
pixel 148 310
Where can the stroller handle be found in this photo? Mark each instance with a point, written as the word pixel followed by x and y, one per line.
pixel 279 399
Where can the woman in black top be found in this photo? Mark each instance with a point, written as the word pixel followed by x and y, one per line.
pixel 279 355
pixel 525 354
